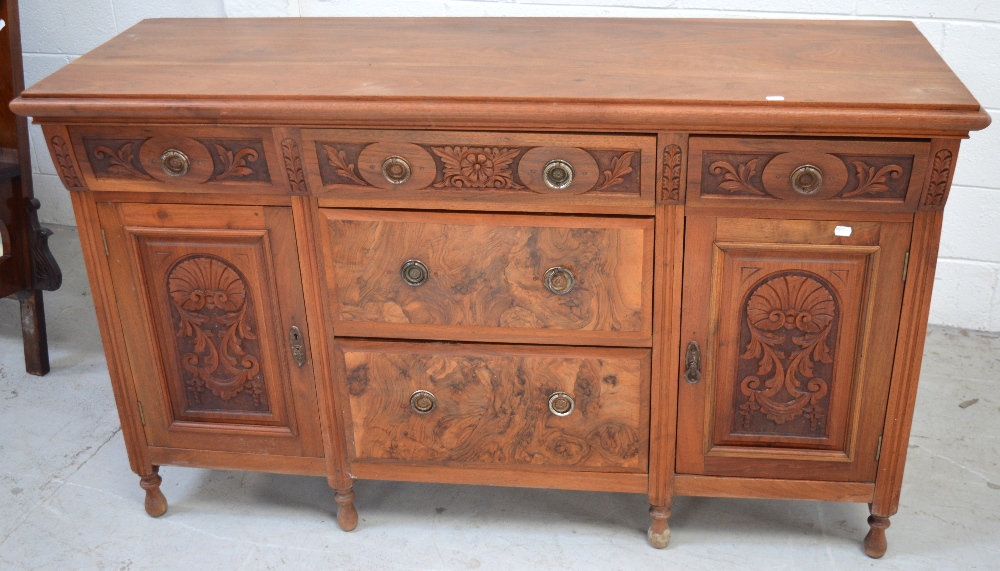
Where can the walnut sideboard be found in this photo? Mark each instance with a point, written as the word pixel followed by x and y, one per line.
pixel 668 257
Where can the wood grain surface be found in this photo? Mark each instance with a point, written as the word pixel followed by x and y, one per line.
pixel 492 404
pixel 858 77
pixel 486 276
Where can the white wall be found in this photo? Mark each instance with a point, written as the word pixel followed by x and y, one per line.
pixel 965 32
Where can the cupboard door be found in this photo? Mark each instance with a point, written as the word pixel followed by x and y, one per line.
pixel 795 322
pixel 208 296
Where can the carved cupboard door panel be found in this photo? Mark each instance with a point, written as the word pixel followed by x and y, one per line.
pixel 788 334
pixel 208 297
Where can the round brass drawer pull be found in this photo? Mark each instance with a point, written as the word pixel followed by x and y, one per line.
pixel 807 180
pixel 396 170
pixel 174 162
pixel 557 174
pixel 559 280
pixel 423 401
pixel 414 272
pixel 561 404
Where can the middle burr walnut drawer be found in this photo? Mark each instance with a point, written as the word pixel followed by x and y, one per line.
pixel 489 277
pixel 546 407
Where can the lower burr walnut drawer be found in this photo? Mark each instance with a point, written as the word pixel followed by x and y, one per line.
pixel 479 277
pixel 583 408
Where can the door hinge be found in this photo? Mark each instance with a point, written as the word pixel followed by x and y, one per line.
pixel 906 265
pixel 878 450
pixel 104 238
pixel 142 416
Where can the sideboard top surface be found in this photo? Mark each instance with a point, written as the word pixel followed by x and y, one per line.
pixel 266 63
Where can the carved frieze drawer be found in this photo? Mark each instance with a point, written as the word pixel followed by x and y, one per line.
pixel 506 406
pixel 174 159
pixel 473 277
pixel 456 168
pixel 807 173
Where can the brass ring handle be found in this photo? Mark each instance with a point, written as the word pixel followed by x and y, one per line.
pixel 557 174
pixel 422 402
pixel 174 162
pixel 396 170
pixel 561 404
pixel 806 180
pixel 559 280
pixel 414 272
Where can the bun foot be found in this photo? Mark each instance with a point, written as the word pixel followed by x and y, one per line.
pixel 156 503
pixel 659 530
pixel 875 543
pixel 347 516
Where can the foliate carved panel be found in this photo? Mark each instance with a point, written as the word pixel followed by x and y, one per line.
pixel 869 176
pixel 732 174
pixel 492 408
pixel 239 160
pixel 338 163
pixel 788 334
pixel 478 167
pixel 116 158
pixel 212 309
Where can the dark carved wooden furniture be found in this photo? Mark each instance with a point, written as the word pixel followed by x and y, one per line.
pixel 26 265
pixel 652 256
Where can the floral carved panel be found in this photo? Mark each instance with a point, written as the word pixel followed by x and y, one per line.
pixel 788 334
pixel 212 310
pixel 461 167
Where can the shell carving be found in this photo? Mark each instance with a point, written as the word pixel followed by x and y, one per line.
pixel 212 313
pixel 790 317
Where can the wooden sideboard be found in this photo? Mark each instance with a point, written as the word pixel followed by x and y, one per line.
pixel 667 257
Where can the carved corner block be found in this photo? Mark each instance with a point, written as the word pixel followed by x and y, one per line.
pixel 943 156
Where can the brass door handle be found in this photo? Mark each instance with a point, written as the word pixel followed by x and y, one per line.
pixel 692 363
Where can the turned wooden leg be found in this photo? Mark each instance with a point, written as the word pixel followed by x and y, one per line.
pixel 36 345
pixel 659 530
pixel 347 516
pixel 156 503
pixel 875 543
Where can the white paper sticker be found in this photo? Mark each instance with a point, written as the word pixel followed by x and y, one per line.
pixel 842 231
pixel 775 98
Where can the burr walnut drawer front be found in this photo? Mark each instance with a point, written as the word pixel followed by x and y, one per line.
pixel 806 173
pixel 458 167
pixel 573 407
pixel 490 277
pixel 165 158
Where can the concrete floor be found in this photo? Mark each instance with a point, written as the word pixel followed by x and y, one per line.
pixel 69 501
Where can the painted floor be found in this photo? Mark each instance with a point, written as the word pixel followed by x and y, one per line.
pixel 69 501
